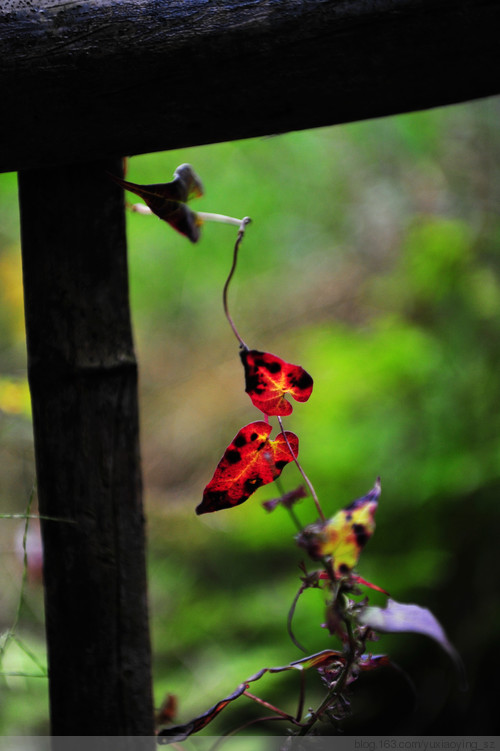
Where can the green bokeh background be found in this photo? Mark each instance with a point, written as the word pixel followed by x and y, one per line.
pixel 373 261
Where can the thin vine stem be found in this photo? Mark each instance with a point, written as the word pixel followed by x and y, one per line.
pixel 293 515
pixel 208 216
pixel 11 635
pixel 12 630
pixel 37 516
pixel 237 244
pixel 248 724
pixel 267 705
pixel 340 684
pixel 302 696
pixel 27 651
pixel 18 674
pixel 289 620
pixel 306 479
pixel 205 216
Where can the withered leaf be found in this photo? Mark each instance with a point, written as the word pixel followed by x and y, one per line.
pixel 168 200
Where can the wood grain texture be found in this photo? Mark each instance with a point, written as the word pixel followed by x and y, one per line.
pixel 83 381
pixel 84 80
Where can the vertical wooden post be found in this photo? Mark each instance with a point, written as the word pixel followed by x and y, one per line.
pixel 83 380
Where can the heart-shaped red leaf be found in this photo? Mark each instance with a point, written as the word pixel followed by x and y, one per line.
pixel 250 461
pixel 268 378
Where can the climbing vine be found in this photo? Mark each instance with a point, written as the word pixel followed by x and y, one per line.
pixel 332 544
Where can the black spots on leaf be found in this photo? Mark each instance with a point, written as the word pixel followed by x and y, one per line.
pixel 343 568
pixel 361 534
pixel 299 379
pixel 252 383
pixel 244 355
pixel 253 360
pixel 304 381
pixel 262 360
pixel 232 455
pixel 348 516
pixel 252 484
pixel 212 500
pixel 272 367
pixel 281 464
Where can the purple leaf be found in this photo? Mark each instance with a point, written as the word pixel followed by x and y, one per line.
pixel 287 499
pixel 398 617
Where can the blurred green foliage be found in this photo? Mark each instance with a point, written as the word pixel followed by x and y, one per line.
pixel 373 261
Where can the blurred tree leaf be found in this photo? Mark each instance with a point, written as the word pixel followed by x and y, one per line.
pixel 344 536
pixel 398 617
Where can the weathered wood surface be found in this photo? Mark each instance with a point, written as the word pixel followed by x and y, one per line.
pixel 83 380
pixel 83 80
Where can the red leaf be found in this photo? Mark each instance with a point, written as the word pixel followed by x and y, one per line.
pixel 168 200
pixel 250 460
pixel 268 378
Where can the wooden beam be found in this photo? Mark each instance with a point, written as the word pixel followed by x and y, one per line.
pixel 83 380
pixel 84 80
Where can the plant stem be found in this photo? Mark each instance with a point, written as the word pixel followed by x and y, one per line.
pixel 290 509
pixel 11 632
pixel 17 674
pixel 302 696
pixel 289 620
pixel 27 651
pixel 237 244
pixel 340 684
pixel 248 724
pixel 207 216
pixel 37 516
pixel 266 704
pixel 306 479
pixel 294 518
